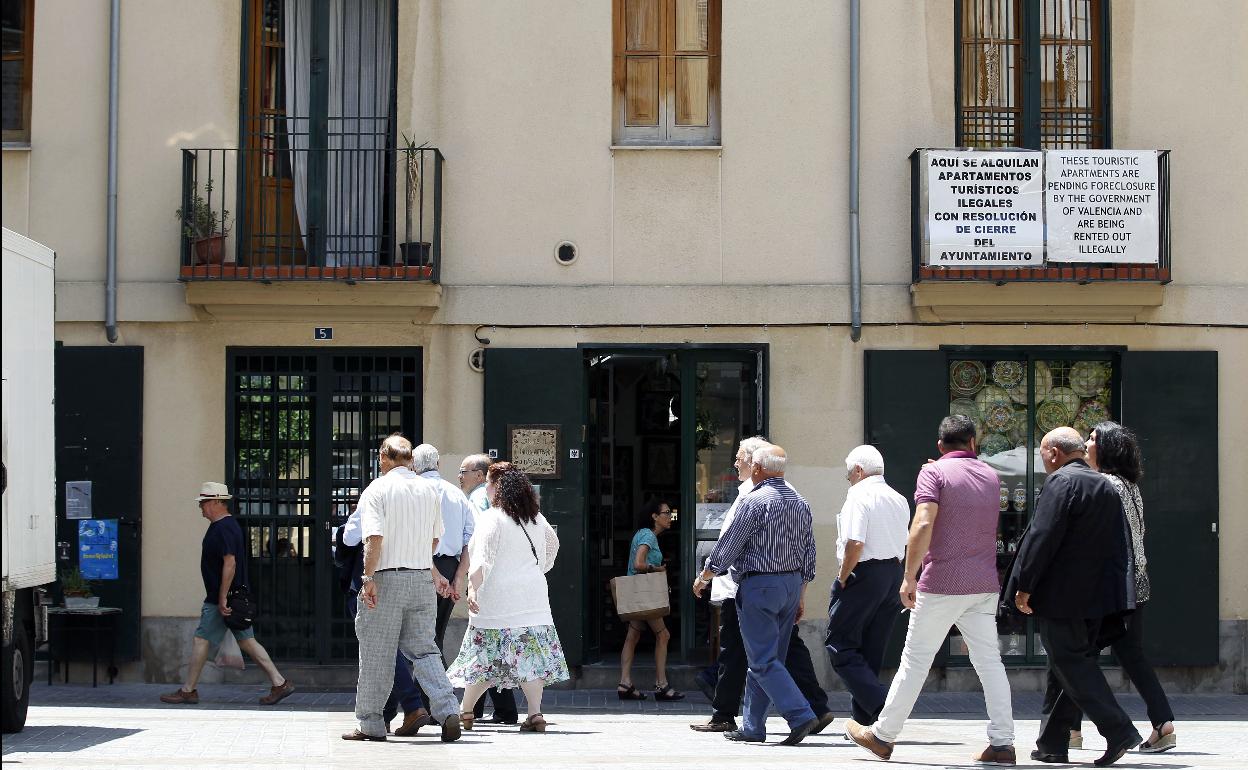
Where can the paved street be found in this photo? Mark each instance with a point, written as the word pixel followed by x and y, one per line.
pixel 123 726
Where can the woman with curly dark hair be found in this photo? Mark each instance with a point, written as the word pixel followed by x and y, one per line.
pixel 1114 451
pixel 511 639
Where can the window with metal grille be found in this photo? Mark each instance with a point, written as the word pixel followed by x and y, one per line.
pixel 1032 73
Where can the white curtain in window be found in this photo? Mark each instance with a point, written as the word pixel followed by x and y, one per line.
pixel 360 59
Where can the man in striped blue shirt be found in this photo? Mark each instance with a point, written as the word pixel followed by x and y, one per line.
pixel 770 550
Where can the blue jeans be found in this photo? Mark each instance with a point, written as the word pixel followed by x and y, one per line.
pixel 767 608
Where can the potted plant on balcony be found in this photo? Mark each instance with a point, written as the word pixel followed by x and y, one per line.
pixel 77 590
pixel 204 227
pixel 413 253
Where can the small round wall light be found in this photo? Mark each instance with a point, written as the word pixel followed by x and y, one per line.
pixel 565 252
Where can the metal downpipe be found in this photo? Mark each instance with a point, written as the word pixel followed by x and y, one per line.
pixel 110 269
pixel 855 255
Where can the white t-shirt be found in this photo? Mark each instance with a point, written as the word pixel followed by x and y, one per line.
pixel 875 515
pixel 406 511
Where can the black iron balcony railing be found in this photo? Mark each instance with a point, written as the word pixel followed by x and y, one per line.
pixel 292 215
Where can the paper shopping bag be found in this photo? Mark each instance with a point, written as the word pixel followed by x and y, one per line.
pixel 640 597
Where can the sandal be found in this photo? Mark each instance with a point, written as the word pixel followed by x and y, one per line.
pixel 1164 742
pixel 466 718
pixel 667 692
pixel 535 723
pixel 629 692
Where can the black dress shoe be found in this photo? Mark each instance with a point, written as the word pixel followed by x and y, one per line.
pixel 495 719
pixel 824 720
pixel 740 737
pixel 727 725
pixel 1044 756
pixel 1117 749
pixel 799 733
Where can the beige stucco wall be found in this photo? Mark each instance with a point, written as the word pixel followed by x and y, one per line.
pixel 518 97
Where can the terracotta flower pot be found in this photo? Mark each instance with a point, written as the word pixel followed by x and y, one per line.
pixel 210 250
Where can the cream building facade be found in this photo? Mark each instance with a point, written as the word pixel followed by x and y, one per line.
pixel 708 277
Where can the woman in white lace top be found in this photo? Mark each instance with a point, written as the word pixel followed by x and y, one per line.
pixel 1114 451
pixel 511 639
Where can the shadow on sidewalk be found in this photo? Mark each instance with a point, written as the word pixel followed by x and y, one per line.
pixel 62 738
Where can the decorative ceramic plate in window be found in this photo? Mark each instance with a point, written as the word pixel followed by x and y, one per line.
pixel 990 396
pixel 967 377
pixel 1088 377
pixel 998 417
pixel 964 406
pixel 1089 415
pixel 1044 380
pixel 1057 409
pixel 1008 374
pixel 995 444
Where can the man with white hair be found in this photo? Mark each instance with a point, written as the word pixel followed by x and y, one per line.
pixel 401 525
pixel 770 550
pixel 451 558
pixel 729 684
pixel 870 544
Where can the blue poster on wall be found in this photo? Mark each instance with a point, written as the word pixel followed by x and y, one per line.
pixel 97 549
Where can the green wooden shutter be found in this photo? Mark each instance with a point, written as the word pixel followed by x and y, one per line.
pixel 906 398
pixel 532 386
pixel 1170 399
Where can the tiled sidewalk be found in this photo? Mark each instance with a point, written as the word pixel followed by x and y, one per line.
pixel 937 705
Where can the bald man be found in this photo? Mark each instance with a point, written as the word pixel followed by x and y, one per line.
pixel 1072 573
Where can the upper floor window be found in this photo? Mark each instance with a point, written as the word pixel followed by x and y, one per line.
pixel 666 71
pixel 16 19
pixel 1032 73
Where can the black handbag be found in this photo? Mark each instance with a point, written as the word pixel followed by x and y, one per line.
pixel 242 606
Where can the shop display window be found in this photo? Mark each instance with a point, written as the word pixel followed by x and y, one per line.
pixel 1015 399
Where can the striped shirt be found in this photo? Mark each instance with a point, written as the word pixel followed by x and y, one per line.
pixel 457 518
pixel 771 532
pixel 406 511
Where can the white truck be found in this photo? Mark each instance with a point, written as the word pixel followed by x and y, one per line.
pixel 29 470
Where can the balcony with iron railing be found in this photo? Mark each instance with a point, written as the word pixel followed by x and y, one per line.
pixel 303 215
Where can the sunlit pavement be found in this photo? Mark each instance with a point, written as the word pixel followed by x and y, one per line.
pixel 121 726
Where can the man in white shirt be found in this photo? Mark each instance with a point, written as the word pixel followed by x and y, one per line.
pixel 451 557
pixel 401 523
pixel 871 532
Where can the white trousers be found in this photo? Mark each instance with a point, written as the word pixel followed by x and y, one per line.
pixel 933 615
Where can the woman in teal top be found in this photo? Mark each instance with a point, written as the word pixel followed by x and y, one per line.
pixel 644 556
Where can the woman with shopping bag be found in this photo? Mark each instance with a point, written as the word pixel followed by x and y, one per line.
pixel 645 557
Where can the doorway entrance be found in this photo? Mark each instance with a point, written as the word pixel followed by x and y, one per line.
pixel 663 426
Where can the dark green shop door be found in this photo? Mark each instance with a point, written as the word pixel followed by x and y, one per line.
pixel 530 387
pixel 99 438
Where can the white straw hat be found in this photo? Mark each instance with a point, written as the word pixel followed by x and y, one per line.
pixel 212 490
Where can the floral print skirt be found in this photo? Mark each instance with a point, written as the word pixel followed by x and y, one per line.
pixel 505 657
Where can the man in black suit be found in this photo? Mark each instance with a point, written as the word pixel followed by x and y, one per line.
pixel 1072 573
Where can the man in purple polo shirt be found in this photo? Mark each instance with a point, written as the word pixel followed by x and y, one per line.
pixel 959 587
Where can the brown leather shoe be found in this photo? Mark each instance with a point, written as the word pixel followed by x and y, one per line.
pixel 715 727
pixel 997 755
pixel 413 722
pixel 180 696
pixel 356 735
pixel 866 739
pixel 276 694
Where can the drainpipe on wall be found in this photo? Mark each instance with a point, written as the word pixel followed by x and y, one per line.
pixel 110 270
pixel 855 256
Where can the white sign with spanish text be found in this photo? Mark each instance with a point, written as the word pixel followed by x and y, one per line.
pixel 984 208
pixel 1102 205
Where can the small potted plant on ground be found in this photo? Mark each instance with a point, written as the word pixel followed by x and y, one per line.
pixel 77 590
pixel 204 227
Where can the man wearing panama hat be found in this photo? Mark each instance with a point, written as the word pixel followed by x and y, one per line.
pixel 223 565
